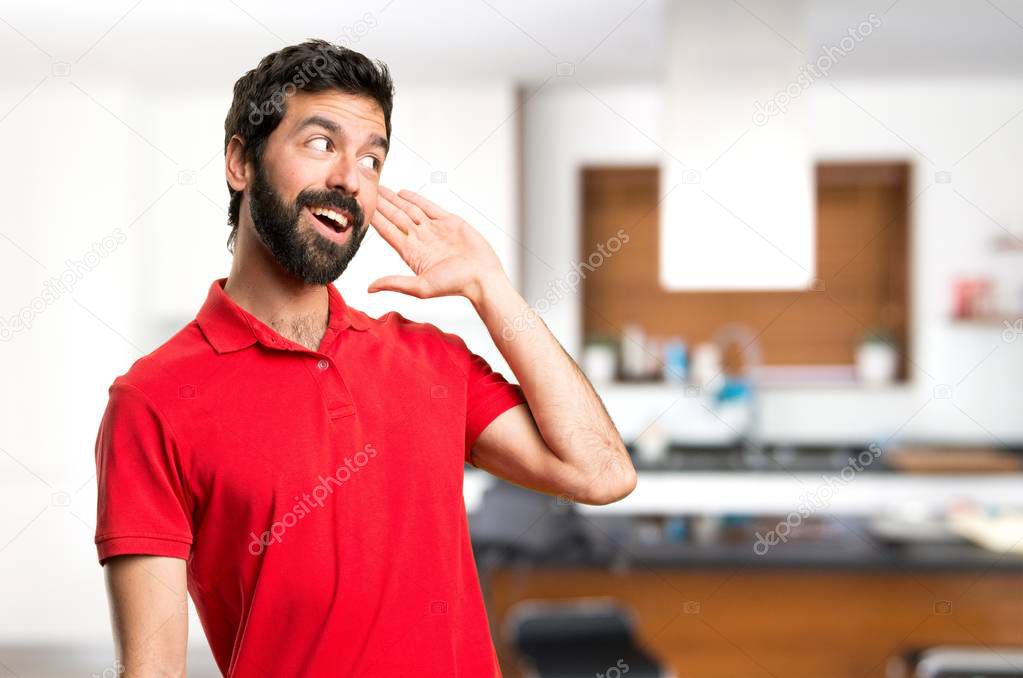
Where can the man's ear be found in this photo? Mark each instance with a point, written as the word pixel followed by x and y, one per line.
pixel 235 165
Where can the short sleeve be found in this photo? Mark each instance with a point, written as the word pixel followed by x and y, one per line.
pixel 488 393
pixel 142 507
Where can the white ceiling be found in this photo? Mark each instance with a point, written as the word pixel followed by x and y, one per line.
pixel 443 40
pixel 449 40
pixel 923 37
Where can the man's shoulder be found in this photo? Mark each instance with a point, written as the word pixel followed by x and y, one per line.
pixel 408 330
pixel 167 370
pixel 421 339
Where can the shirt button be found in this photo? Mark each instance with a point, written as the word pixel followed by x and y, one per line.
pixel 323 364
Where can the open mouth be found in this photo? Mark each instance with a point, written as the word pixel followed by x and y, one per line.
pixel 332 219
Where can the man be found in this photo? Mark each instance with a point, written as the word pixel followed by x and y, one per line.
pixel 295 464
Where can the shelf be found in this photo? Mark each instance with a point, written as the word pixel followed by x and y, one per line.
pixel 999 319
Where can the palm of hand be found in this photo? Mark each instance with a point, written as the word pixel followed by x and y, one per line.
pixel 447 255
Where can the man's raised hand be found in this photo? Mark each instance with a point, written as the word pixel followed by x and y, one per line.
pixel 448 256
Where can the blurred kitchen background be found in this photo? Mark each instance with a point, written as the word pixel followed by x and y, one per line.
pixel 783 238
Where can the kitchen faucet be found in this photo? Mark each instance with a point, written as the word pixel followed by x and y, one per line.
pixel 749 345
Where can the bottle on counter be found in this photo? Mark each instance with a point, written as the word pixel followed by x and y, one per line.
pixel 600 359
pixel 676 361
pixel 707 370
pixel 634 351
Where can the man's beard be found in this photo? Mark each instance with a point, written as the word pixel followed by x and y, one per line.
pixel 303 252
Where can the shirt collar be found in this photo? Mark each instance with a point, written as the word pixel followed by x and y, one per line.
pixel 229 327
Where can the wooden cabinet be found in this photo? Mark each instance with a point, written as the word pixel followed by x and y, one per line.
pixel 785 623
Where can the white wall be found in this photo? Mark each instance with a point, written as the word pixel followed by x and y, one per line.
pixel 105 155
pixel 568 127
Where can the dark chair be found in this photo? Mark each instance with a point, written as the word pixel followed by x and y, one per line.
pixel 578 639
pixel 515 526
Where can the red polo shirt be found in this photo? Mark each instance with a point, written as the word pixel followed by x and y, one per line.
pixel 316 495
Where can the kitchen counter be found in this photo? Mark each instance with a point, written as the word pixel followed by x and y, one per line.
pixel 782 492
pixel 829 556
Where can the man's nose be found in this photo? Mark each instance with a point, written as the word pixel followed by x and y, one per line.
pixel 344 175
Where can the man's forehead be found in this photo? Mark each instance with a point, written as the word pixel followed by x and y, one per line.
pixel 337 105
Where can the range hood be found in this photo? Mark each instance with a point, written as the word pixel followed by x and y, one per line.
pixel 737 178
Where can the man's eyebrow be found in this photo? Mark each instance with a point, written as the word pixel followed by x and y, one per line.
pixel 319 120
pixel 380 142
pixel 332 127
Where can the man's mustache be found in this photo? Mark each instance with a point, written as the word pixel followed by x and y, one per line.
pixel 337 201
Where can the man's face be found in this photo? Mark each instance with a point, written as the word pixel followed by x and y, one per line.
pixel 315 189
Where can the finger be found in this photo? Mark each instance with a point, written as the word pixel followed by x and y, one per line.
pixel 391 234
pixel 406 284
pixel 396 216
pixel 431 209
pixel 405 206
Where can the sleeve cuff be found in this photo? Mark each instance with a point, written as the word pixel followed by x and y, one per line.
pixel 142 545
pixel 482 413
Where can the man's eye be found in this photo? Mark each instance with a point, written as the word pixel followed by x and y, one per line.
pixel 372 162
pixel 320 143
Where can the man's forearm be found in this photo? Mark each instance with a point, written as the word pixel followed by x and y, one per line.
pixel 149 613
pixel 567 410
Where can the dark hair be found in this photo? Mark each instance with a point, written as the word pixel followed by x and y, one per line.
pixel 312 66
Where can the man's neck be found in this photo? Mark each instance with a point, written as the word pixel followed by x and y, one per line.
pixel 296 310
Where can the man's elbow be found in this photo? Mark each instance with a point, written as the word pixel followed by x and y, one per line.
pixel 611 488
pixel 626 483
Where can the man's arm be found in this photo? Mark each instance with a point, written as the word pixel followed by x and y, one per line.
pixel 564 442
pixel 149 614
pixel 565 437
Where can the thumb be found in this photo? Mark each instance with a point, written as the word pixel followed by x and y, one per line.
pixel 406 284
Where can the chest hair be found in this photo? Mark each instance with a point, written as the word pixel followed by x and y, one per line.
pixel 306 330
